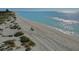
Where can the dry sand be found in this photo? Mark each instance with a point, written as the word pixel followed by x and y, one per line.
pixel 47 38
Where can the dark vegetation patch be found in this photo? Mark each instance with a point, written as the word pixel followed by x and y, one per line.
pixel 10 43
pixel 24 39
pixel 31 29
pixel 1 29
pixel 28 49
pixel 7 45
pixel 8 19
pixel 18 34
pixel 2 21
pixel 7 35
pixel 31 43
pixel 15 27
pixel 10 35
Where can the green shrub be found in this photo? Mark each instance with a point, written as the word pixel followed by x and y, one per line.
pixel 31 43
pixel 24 39
pixel 15 17
pixel 14 27
pixel 28 49
pixel 10 43
pixel 19 28
pixel 2 21
pixel 18 34
pixel 8 19
pixel 32 29
pixel 10 35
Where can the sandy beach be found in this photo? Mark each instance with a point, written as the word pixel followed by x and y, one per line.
pixel 47 38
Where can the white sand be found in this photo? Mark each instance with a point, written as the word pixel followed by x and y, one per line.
pixel 47 38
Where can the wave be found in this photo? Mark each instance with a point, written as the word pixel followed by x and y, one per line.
pixel 71 33
pixel 65 21
pixel 68 32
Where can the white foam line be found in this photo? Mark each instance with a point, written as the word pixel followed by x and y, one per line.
pixel 65 21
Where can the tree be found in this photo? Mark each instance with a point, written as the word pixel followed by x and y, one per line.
pixel 7 10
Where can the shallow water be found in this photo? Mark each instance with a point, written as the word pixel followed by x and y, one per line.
pixel 47 18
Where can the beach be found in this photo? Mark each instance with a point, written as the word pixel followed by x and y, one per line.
pixel 47 38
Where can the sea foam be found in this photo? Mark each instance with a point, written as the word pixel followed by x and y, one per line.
pixel 65 20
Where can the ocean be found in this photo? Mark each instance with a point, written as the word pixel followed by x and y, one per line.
pixel 66 22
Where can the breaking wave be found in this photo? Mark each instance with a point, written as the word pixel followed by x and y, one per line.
pixel 65 21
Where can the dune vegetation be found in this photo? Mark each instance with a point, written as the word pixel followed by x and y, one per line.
pixel 13 34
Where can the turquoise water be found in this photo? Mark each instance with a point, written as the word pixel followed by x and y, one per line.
pixel 44 17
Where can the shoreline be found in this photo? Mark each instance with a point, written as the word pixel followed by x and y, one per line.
pixel 48 39
pixel 27 34
pixel 60 30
